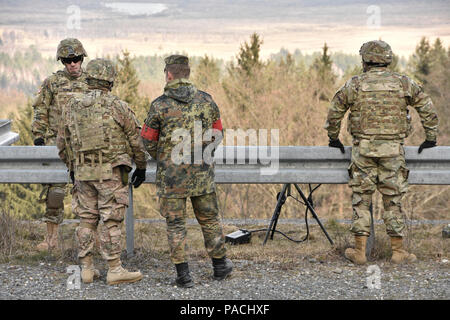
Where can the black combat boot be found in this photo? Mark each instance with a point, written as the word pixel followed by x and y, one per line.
pixel 222 268
pixel 184 279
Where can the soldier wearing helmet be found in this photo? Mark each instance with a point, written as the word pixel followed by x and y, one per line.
pixel 48 106
pixel 378 121
pixel 98 138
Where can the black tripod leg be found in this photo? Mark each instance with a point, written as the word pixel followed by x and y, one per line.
pixel 313 212
pixel 283 198
pixel 276 213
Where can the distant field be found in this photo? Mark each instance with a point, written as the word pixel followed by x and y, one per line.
pixel 11 101
pixel 219 27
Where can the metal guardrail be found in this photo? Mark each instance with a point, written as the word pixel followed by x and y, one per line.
pixel 235 165
pixel 7 137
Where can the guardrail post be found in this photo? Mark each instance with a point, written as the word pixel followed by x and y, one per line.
pixel 371 240
pixel 129 222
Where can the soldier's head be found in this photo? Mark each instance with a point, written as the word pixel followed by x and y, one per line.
pixel 71 53
pixel 101 74
pixel 177 67
pixel 376 53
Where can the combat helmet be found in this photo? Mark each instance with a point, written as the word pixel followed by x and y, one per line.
pixel 376 51
pixel 101 69
pixel 70 47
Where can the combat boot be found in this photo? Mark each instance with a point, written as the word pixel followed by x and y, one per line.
pixel 357 255
pixel 88 271
pixel 399 254
pixel 222 268
pixel 184 279
pixel 51 238
pixel 117 274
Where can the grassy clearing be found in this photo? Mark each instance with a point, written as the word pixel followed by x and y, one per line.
pixel 151 244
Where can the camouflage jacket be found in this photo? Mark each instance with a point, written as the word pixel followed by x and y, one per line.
pixel 352 96
pixel 186 114
pixel 97 121
pixel 54 93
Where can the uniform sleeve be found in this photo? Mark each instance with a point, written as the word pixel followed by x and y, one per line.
pixel 425 108
pixel 151 129
pixel 127 119
pixel 336 112
pixel 63 139
pixel 217 121
pixel 41 106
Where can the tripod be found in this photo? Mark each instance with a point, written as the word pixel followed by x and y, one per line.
pixel 281 199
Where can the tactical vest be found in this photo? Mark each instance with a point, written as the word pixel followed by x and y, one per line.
pixel 63 89
pixel 379 107
pixel 96 138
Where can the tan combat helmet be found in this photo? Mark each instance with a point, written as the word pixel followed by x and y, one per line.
pixel 69 48
pixel 376 51
pixel 101 69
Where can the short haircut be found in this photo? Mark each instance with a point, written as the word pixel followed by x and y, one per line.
pixel 178 70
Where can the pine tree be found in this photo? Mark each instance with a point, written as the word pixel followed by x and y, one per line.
pixel 206 73
pixel 126 85
pixel 248 57
pixel 322 67
pixel 438 55
pixel 421 60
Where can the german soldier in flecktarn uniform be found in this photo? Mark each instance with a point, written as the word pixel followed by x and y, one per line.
pixel 54 93
pixel 185 112
pixel 98 139
pixel 379 123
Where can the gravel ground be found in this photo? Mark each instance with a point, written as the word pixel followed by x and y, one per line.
pixel 312 279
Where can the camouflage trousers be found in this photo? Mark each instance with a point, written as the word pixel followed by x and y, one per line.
pixel 101 205
pixel 207 214
pixel 54 205
pixel 387 174
pixel 53 197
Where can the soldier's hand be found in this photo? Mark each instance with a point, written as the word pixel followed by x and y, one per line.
pixel 39 142
pixel 138 177
pixel 427 144
pixel 336 144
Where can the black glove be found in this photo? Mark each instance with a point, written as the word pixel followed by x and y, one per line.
pixel 39 142
pixel 72 177
pixel 427 144
pixel 138 177
pixel 336 144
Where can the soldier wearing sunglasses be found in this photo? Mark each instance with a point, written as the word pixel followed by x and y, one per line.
pixel 48 107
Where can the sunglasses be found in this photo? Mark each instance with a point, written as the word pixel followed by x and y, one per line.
pixel 70 60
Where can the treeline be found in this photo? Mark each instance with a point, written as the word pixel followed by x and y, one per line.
pixel 24 71
pixel 282 93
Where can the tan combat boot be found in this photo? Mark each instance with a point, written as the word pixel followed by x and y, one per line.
pixel 117 274
pixel 88 271
pixel 399 254
pixel 357 255
pixel 51 239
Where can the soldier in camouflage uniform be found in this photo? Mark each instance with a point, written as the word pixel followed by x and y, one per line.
pixel 53 95
pixel 183 108
pixel 379 123
pixel 98 139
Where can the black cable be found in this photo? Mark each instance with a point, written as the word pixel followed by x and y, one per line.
pixel 306 217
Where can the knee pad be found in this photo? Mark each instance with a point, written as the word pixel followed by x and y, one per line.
pixel 55 198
